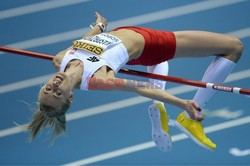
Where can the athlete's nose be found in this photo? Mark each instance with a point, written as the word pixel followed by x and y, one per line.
pixel 56 83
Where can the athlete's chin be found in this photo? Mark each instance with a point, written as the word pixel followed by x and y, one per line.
pixel 61 75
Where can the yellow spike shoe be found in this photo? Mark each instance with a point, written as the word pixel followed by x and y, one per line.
pixel 194 130
pixel 160 130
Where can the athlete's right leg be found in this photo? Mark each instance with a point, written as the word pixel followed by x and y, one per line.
pixel 202 44
pixel 161 69
pixel 157 112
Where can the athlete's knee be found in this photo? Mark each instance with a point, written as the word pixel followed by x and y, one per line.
pixel 238 46
pixel 237 49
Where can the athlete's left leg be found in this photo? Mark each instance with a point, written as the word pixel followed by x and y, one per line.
pixel 228 50
pixel 157 112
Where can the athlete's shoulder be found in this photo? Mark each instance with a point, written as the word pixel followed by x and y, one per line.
pixel 57 60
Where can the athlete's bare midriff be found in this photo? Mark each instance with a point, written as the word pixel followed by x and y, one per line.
pixel 133 41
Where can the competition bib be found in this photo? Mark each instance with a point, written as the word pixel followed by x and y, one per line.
pixel 96 44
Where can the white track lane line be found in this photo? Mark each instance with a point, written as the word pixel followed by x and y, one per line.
pixel 37 7
pixel 123 103
pixel 242 33
pixel 151 144
pixel 24 84
pixel 137 20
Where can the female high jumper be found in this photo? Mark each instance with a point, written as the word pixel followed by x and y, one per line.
pixel 92 62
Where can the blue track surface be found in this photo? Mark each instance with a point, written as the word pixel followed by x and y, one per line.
pixel 129 125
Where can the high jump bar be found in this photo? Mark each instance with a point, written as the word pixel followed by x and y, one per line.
pixel 208 85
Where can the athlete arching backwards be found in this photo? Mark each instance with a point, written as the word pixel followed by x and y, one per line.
pixel 99 55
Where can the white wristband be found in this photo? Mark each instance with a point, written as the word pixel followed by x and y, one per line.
pixel 101 26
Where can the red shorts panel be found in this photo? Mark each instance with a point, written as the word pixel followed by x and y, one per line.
pixel 159 46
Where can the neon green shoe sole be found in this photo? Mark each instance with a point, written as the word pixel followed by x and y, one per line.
pixel 160 131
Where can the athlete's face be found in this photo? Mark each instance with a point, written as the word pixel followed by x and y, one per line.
pixel 55 94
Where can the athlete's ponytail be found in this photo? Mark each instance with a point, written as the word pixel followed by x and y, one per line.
pixel 40 121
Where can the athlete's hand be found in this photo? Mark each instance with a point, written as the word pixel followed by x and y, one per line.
pixel 100 19
pixel 193 110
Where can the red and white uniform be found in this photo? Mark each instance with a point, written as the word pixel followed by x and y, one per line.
pixel 96 51
pixel 159 46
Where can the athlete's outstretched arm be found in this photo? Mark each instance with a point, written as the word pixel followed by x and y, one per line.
pixel 146 89
pixel 96 29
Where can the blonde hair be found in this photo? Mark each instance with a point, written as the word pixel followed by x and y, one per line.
pixel 41 120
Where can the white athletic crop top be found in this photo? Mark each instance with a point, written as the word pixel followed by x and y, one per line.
pixel 96 51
